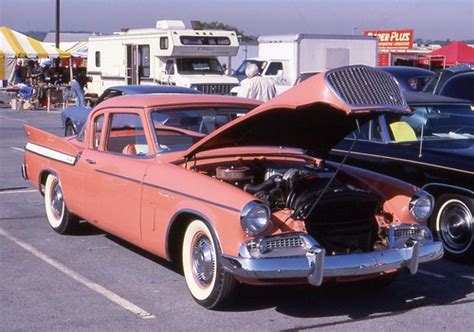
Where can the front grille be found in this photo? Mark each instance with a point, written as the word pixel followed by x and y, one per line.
pixel 403 232
pixel 365 86
pixel 287 242
pixel 278 242
pixel 215 89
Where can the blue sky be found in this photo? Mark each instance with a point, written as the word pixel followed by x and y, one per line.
pixel 433 19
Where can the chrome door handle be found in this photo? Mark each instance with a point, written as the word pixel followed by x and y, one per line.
pixel 90 161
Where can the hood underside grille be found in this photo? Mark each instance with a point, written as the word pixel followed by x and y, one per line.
pixel 365 86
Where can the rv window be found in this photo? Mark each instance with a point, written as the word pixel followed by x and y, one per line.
pixel 144 57
pixel 273 68
pixel 97 59
pixel 164 43
pixel 169 69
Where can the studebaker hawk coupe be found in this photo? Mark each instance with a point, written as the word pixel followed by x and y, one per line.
pixel 240 195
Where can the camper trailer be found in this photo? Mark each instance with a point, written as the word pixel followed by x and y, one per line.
pixel 168 54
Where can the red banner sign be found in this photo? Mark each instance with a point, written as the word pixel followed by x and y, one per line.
pixel 393 39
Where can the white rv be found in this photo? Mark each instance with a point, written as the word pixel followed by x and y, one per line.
pixel 169 54
pixel 285 57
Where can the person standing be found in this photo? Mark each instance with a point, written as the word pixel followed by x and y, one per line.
pixel 256 86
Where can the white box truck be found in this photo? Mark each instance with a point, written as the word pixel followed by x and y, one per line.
pixel 285 57
pixel 169 54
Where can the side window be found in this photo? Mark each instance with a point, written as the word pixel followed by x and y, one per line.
pixel 164 43
pixel 126 135
pixel 376 130
pixel 169 67
pixel 108 94
pixel 364 131
pixel 98 125
pixel 97 59
pixel 273 68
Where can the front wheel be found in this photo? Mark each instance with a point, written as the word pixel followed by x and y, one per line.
pixel 454 226
pixel 59 218
pixel 210 285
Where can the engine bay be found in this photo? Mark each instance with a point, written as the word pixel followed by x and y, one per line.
pixel 338 213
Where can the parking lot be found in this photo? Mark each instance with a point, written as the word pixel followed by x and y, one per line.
pixel 96 281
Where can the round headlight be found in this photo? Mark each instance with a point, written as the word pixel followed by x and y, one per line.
pixel 255 218
pixel 421 205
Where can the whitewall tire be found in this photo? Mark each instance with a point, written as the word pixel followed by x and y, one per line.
pixel 57 212
pixel 209 284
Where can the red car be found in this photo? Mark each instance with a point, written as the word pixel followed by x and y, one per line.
pixel 237 191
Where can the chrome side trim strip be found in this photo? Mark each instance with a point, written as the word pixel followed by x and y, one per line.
pixel 50 153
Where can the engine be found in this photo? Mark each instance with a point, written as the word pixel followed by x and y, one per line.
pixel 342 220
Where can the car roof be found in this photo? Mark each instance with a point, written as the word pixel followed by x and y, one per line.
pixel 413 71
pixel 137 89
pixel 164 100
pixel 428 98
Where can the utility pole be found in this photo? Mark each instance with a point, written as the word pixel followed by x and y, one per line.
pixel 58 10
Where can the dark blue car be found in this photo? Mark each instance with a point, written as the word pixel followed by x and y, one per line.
pixel 409 78
pixel 433 148
pixel 73 118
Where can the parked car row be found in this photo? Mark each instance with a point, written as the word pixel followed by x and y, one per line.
pixel 239 191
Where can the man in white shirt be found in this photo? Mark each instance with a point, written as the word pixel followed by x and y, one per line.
pixel 256 86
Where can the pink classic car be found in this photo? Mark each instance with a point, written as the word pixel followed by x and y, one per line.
pixel 237 191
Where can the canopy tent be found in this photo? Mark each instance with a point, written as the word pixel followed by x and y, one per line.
pixel 455 53
pixel 78 49
pixel 14 45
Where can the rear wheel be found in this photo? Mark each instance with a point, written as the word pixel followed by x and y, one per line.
pixel 57 212
pixel 210 285
pixel 454 226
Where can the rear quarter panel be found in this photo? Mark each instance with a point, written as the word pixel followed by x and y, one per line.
pixel 46 153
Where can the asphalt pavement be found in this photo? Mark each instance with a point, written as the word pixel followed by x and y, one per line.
pixel 95 281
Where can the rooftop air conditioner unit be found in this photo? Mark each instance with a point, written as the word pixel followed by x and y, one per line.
pixel 170 25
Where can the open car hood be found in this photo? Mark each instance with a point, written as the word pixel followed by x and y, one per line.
pixel 314 115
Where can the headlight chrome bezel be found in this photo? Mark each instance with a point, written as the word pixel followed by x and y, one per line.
pixel 249 213
pixel 419 201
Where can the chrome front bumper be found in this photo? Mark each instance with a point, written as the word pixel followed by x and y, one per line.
pixel 315 265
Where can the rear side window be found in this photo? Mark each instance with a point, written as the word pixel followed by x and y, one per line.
pixel 459 87
pixel 98 125
pixel 126 135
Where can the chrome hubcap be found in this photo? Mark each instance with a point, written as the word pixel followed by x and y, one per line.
pixel 203 259
pixel 456 226
pixel 57 202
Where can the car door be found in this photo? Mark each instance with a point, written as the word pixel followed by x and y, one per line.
pixel 117 160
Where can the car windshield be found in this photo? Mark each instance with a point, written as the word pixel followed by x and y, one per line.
pixel 260 64
pixel 198 66
pixel 177 130
pixel 433 122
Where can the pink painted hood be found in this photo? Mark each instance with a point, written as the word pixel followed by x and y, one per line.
pixel 314 115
